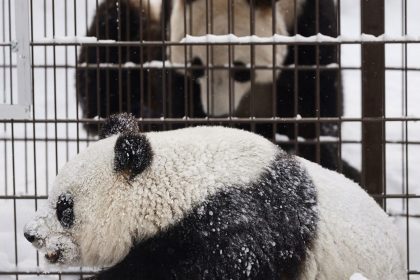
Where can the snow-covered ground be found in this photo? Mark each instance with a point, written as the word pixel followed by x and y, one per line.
pixel 49 156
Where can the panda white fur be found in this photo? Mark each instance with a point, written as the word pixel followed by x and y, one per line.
pixel 210 203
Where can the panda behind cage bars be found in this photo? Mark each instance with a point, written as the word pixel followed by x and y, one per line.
pixel 198 92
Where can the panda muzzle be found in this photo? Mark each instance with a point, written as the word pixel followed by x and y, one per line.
pixel 53 257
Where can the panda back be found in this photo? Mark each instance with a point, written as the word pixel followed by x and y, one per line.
pixel 354 233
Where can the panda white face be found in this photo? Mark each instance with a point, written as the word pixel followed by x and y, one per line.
pixel 216 84
pixel 78 224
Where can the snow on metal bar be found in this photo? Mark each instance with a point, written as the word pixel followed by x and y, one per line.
pixel 157 64
pixel 233 39
pixel 319 38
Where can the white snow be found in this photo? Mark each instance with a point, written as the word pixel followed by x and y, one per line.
pixel 69 40
pixel 45 157
pixel 358 276
pixel 319 38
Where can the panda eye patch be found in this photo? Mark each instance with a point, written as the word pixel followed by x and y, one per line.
pixel 198 68
pixel 64 210
pixel 240 72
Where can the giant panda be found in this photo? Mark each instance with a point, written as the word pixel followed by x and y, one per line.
pixel 106 81
pixel 296 91
pixel 210 203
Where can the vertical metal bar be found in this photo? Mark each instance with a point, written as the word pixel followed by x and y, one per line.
pixel 76 70
pixel 186 80
pixel 317 88
pixel 55 89
pixel 45 34
pixel 66 79
pixel 209 73
pixel 252 53
pixel 10 52
pixel 14 193
pixel 339 97
pixel 373 98
pixel 274 71
pixel 141 56
pixel 295 79
pixel 23 59
pixel 230 59
pixel 5 93
pixel 98 72
pixel 3 39
pixel 34 122
pixel 120 90
pixel 405 137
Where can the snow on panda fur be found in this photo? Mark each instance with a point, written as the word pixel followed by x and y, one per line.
pixel 210 203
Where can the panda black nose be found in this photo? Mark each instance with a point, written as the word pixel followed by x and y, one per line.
pixel 30 238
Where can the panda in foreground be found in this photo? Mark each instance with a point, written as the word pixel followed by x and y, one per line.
pixel 210 203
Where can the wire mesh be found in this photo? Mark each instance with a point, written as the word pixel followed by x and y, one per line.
pixel 79 80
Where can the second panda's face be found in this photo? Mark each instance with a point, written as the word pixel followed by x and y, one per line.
pixel 220 19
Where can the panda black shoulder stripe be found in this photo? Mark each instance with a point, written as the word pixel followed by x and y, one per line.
pixel 261 231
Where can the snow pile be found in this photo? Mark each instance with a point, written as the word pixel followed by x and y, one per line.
pixel 358 276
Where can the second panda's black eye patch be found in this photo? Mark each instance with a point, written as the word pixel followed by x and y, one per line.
pixel 64 210
pixel 240 72
pixel 198 68
pixel 133 154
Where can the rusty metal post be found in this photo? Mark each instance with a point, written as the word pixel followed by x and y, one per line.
pixel 373 99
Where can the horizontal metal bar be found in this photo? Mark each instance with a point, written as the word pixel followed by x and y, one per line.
pixel 210 67
pixel 228 120
pixel 137 66
pixel 385 196
pixel 291 141
pixel 23 197
pixel 169 43
pixel 15 112
pixel 26 272
pixel 86 273
pixel 395 196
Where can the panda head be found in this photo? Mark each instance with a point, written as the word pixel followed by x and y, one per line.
pixel 222 20
pixel 130 186
pixel 84 221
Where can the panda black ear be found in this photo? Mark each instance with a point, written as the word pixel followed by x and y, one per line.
pixel 119 123
pixel 133 154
